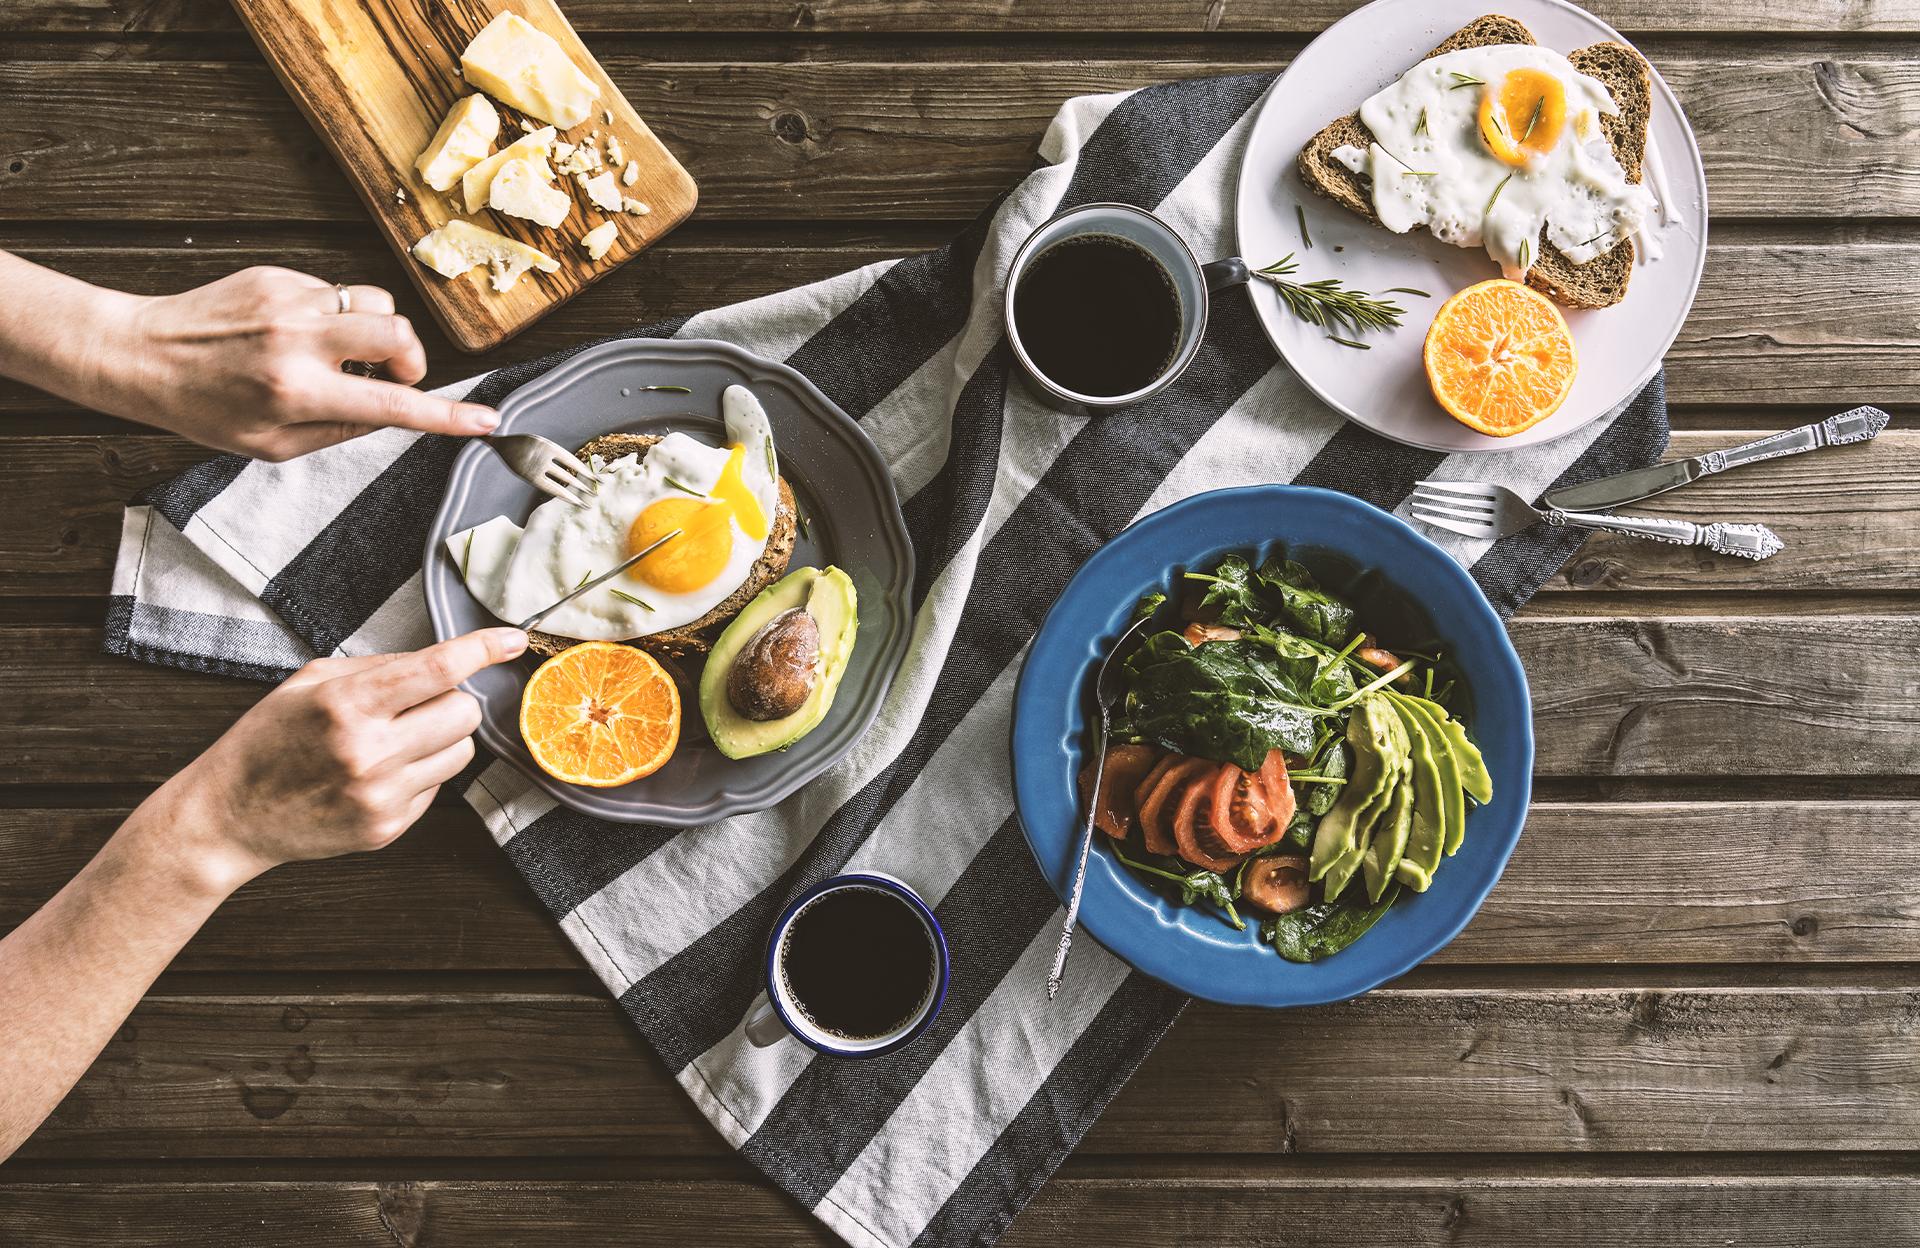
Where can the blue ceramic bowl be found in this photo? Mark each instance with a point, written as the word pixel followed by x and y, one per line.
pixel 1406 588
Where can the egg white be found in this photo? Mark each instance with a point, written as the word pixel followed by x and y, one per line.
pixel 516 571
pixel 1442 175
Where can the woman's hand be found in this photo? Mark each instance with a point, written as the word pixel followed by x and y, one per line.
pixel 250 363
pixel 342 757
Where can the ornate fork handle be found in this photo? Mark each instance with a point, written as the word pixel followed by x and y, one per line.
pixel 1749 541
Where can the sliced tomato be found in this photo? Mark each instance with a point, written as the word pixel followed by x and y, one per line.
pixel 1199 634
pixel 1241 816
pixel 1126 765
pixel 1156 812
pixel 1192 824
pixel 1273 777
pixel 1145 788
pixel 1276 884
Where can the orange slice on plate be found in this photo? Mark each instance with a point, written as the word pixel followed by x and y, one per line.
pixel 600 714
pixel 1500 358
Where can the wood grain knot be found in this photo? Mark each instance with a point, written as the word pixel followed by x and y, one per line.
pixel 790 127
pixel 16 165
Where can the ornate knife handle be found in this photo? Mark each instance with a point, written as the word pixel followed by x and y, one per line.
pixel 1749 541
pixel 1856 425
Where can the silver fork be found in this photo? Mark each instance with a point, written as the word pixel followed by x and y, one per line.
pixel 545 465
pixel 1475 510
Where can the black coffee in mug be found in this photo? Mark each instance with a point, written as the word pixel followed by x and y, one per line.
pixel 1097 315
pixel 858 962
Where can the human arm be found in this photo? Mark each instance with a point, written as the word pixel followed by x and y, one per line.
pixel 342 757
pixel 249 363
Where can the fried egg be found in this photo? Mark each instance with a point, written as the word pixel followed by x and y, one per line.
pixel 1485 146
pixel 724 499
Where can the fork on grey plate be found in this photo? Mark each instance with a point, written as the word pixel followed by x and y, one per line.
pixel 545 465
pixel 1475 510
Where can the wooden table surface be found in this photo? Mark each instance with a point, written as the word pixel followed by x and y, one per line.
pixel 1690 1013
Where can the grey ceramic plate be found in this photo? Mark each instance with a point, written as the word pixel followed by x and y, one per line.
pixel 852 520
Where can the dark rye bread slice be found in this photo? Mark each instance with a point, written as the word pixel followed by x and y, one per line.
pixel 696 638
pixel 1602 281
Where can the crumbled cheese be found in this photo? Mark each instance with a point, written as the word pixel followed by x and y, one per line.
pixel 460 143
pixel 475 181
pixel 606 115
pixel 616 155
pixel 459 246
pixel 602 191
pixel 524 188
pixel 598 239
pixel 634 206
pixel 631 173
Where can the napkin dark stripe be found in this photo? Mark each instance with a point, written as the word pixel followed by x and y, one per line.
pixel 1359 462
pixel 1517 565
pixel 943 516
pixel 992 913
pixel 1153 139
pixel 567 857
pixel 1090 492
pixel 193 489
pixel 1027 1153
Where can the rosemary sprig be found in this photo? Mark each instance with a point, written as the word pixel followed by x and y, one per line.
pixel 1526 255
pixel 1464 80
pixel 1496 194
pixel 686 489
pixel 1348 342
pixel 1418 173
pixel 1596 238
pixel 771 471
pixel 1537 106
pixel 583 580
pixel 800 523
pixel 1305 237
pixel 1326 304
pixel 466 557
pixel 638 602
pixel 668 389
pixel 1420 126
pixel 1408 290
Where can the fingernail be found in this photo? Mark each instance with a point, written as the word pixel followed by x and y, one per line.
pixel 480 419
pixel 509 643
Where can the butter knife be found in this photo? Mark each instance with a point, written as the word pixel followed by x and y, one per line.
pixel 583 587
pixel 1857 425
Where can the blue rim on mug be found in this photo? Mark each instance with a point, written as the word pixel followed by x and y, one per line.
pixel 943 964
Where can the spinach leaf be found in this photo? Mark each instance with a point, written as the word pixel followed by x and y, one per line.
pixel 1316 931
pixel 1300 828
pixel 1230 701
pixel 1314 667
pixel 1308 609
pixel 1195 885
pixel 1231 596
pixel 1319 798
pixel 1149 603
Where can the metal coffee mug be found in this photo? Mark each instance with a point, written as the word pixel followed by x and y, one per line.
pixel 1193 284
pixel 776 1015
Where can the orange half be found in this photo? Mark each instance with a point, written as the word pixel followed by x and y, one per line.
pixel 600 714
pixel 1500 358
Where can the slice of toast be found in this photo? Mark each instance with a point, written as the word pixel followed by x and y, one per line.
pixel 1602 281
pixel 696 638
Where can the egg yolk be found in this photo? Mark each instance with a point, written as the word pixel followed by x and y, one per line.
pixel 705 544
pixel 1522 116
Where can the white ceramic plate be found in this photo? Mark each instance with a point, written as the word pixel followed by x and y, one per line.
pixel 1385 389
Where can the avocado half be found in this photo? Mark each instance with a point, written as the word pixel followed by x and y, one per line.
pixel 827 595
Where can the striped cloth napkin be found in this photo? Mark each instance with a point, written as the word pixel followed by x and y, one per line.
pixel 251 569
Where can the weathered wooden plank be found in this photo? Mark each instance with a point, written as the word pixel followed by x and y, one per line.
pixel 443 897
pixel 1630 883
pixel 1693 695
pixel 1448 1208
pixel 827 17
pixel 845 140
pixel 1400 1070
pixel 1848 517
pixel 1774 322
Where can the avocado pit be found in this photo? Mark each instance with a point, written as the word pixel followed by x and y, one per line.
pixel 776 670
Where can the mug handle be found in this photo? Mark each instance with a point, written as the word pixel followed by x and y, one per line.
pixel 1222 274
pixel 763 1024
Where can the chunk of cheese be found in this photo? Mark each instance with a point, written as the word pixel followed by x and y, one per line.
pixel 603 192
pixel 598 239
pixel 458 246
pixel 523 65
pixel 524 188
pixel 460 143
pixel 475 181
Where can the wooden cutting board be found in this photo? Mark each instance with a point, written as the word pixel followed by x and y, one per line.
pixel 375 77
